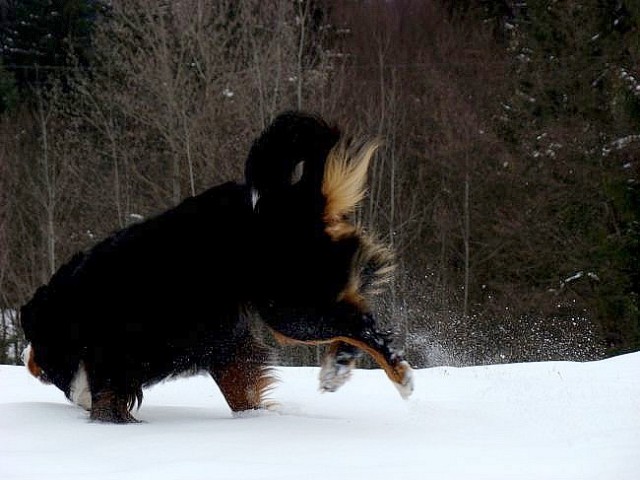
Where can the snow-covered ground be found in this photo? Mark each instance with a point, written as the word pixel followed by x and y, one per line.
pixel 537 421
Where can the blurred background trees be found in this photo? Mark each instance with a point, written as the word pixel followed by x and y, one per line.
pixel 507 181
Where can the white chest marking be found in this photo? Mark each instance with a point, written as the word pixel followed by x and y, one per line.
pixel 80 392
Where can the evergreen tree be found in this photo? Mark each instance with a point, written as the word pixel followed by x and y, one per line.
pixel 8 90
pixel 574 113
pixel 37 37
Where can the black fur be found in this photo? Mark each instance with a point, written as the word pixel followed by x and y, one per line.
pixel 176 293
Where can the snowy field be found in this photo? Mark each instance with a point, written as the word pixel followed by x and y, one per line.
pixel 524 421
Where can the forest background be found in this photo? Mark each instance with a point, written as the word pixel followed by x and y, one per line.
pixel 507 182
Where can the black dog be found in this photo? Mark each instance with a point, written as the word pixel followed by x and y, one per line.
pixel 178 293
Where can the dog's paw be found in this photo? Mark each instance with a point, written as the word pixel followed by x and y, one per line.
pixel 405 387
pixel 333 375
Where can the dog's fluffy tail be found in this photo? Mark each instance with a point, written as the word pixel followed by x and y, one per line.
pixel 345 178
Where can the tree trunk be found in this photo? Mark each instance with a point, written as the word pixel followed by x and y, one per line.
pixel 466 240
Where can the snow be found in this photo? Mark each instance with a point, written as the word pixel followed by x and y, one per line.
pixel 554 420
pixel 619 144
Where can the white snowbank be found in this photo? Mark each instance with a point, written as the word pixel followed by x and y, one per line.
pixel 554 420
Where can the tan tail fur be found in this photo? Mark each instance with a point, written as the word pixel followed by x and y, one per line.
pixel 345 178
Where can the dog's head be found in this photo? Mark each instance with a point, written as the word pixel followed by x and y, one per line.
pixel 306 183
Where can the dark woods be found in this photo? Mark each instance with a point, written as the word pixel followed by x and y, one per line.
pixel 507 181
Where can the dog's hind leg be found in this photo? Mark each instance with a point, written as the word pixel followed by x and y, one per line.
pixel 337 365
pixel 378 345
pixel 347 324
pixel 245 379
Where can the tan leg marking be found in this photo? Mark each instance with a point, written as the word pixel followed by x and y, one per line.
pixel 244 385
pixel 397 372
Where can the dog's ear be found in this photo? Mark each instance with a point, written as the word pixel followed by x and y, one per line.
pixel 344 183
pixel 292 149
